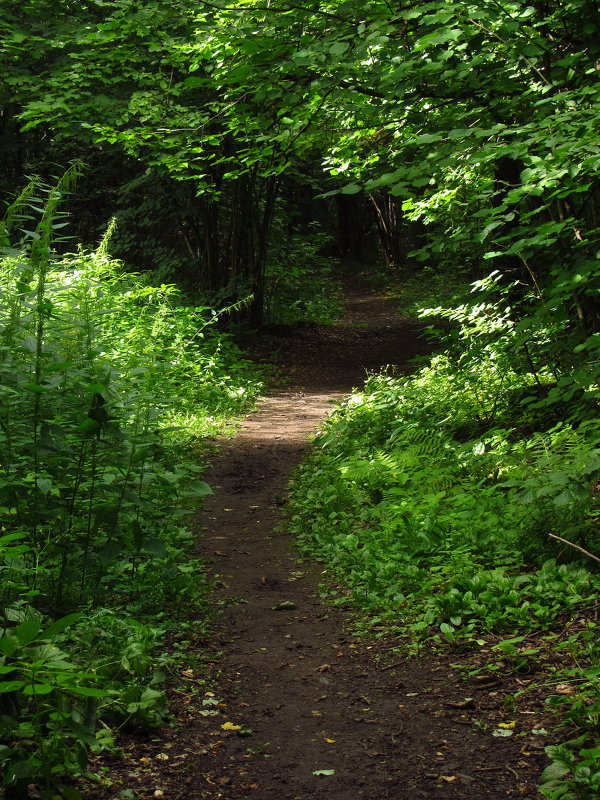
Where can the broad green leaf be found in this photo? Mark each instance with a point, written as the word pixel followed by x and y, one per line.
pixel 155 546
pixel 27 631
pixel 338 48
pixel 87 691
pixel 38 688
pixel 428 138
pixel 351 188
pixel 8 645
pixel 44 485
pixel 60 625
pixel 88 426
pixel 11 686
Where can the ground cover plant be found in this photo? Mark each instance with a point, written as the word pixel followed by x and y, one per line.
pixel 460 506
pixel 104 378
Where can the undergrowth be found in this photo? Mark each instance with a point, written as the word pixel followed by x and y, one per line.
pixel 445 288
pixel 299 282
pixel 108 386
pixel 463 503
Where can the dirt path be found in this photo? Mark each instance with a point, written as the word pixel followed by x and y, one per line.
pixel 307 694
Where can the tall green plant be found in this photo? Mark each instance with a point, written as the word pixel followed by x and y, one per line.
pixel 104 380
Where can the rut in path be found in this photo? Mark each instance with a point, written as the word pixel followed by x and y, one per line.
pixel 314 697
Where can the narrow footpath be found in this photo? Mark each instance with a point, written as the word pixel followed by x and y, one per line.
pixel 299 708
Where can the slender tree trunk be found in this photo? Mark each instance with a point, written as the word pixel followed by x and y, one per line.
pixel 352 225
pixel 271 191
pixel 391 229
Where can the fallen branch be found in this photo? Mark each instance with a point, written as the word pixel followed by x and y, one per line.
pixel 576 546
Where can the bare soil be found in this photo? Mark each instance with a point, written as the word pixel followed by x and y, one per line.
pixel 293 692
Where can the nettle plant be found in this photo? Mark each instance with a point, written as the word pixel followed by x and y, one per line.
pixel 102 379
pixel 81 427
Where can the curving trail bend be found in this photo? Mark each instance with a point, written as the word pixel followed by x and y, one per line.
pixel 314 697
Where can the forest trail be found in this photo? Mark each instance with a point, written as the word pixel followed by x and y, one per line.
pixel 308 695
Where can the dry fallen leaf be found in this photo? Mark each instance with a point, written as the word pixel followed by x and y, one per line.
pixel 468 702
pixel 564 688
pixel 229 726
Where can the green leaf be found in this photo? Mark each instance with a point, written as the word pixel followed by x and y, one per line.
pixel 88 426
pixel 44 485
pixel 286 605
pixel 30 344
pixel 198 489
pixel 88 691
pixel 351 188
pixel 427 138
pixel 592 752
pixel 38 688
pixel 554 772
pixel 26 768
pixel 155 546
pixel 324 772
pixel 60 625
pixel 27 631
pixel 338 48
pixel 11 686
pixel 8 645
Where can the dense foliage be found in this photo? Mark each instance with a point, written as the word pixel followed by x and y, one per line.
pixel 238 144
pixel 461 506
pixel 103 379
pixel 472 129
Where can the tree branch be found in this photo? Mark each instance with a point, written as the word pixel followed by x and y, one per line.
pixel 576 546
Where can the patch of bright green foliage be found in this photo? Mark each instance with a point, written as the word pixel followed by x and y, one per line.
pixel 107 387
pixel 423 523
pixel 433 498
